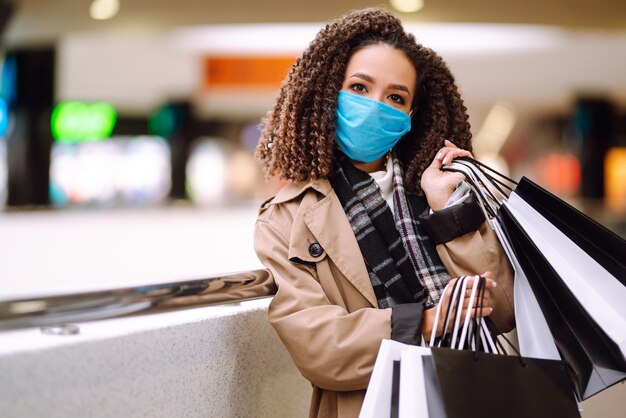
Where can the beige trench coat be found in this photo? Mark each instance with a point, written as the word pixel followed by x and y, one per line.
pixel 325 310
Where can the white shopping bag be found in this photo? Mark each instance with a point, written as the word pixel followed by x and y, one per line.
pixel 533 334
pixel 377 402
pixel 413 403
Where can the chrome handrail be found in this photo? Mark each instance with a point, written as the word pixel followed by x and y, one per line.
pixel 47 310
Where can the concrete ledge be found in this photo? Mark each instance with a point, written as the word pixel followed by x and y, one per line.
pixel 220 361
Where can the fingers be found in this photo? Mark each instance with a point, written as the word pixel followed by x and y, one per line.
pixel 486 301
pixel 489 284
pixel 486 311
pixel 474 313
pixel 449 152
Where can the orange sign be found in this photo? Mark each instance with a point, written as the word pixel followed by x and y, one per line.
pixel 615 179
pixel 257 71
pixel 560 173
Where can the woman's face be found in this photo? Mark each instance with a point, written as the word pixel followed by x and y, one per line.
pixel 382 73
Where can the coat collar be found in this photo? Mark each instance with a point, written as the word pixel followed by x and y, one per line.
pixel 293 190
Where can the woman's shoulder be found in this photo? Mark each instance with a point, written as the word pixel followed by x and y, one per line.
pixel 293 199
pixel 295 194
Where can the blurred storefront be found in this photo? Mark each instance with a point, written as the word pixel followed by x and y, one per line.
pixel 185 105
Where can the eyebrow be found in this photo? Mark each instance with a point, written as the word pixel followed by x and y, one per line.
pixel 366 77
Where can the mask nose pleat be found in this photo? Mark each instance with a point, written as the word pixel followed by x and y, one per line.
pixel 367 129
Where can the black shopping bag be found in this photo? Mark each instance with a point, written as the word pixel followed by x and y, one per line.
pixel 484 385
pixel 593 357
pixel 606 247
pixel 434 400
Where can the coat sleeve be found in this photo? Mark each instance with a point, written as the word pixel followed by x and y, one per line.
pixel 467 245
pixel 333 348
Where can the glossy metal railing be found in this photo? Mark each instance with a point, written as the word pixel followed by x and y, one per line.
pixel 44 310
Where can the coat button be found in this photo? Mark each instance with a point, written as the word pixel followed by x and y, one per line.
pixel 315 249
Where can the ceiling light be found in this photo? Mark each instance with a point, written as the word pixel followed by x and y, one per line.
pixel 270 39
pixel 104 9
pixel 407 6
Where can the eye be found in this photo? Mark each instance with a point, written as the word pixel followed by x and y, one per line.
pixel 396 98
pixel 358 87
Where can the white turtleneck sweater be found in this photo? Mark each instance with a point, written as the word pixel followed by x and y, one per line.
pixel 384 180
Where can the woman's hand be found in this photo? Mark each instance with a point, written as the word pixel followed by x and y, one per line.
pixel 429 314
pixel 438 185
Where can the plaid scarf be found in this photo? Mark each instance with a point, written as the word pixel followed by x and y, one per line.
pixel 401 260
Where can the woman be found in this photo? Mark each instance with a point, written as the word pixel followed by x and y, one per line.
pixel 361 129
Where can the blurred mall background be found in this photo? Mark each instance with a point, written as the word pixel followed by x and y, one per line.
pixel 119 117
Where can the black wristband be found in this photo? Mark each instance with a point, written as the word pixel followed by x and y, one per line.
pixel 406 323
pixel 454 221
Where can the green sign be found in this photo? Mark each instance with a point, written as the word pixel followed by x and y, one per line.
pixel 81 122
pixel 165 121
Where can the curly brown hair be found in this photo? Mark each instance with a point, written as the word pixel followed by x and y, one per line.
pixel 298 139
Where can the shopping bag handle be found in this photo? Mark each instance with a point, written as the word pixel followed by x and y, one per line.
pixel 473 332
pixel 446 321
pixel 482 177
pixel 490 191
pixel 482 192
pixel 484 174
pixel 482 167
pixel 494 330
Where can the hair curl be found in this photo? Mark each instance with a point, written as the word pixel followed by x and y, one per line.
pixel 298 138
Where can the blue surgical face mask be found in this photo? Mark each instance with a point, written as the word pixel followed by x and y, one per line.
pixel 367 129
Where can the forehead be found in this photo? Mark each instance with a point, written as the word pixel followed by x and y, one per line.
pixel 384 61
